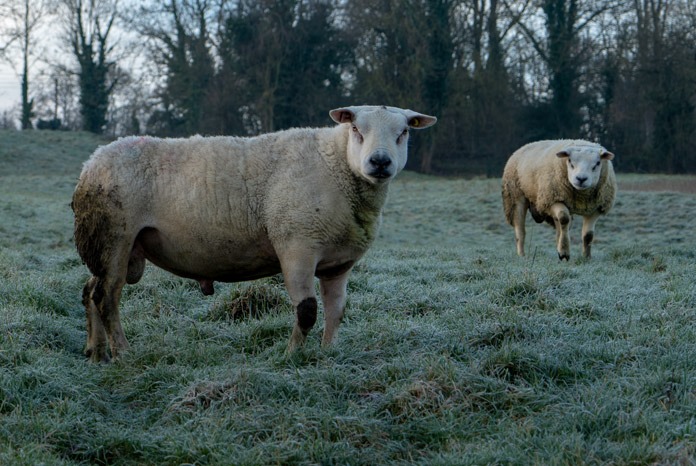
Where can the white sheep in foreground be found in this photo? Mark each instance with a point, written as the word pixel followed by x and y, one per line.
pixel 554 180
pixel 304 202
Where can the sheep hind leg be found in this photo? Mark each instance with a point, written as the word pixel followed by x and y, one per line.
pixel 96 347
pixel 101 297
pixel 519 217
pixel 334 296
pixel 298 272
pixel 588 224
pixel 103 322
pixel 112 321
pixel 561 217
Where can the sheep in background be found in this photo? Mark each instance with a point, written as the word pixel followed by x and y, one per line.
pixel 304 202
pixel 554 180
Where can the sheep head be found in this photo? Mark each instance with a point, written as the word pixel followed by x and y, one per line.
pixel 584 164
pixel 378 139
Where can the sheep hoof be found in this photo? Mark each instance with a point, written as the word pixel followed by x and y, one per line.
pixel 296 342
pixel 564 256
pixel 96 356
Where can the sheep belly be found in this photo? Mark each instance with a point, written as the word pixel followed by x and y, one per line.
pixel 216 259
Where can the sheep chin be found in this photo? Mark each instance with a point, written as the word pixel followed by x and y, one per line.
pixel 378 179
pixel 581 187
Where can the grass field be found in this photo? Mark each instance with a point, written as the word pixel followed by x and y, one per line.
pixel 453 350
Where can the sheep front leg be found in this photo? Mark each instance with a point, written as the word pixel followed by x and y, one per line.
pixel 561 217
pixel 588 224
pixel 333 295
pixel 298 273
pixel 520 215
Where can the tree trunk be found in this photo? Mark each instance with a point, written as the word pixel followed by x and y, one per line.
pixel 27 105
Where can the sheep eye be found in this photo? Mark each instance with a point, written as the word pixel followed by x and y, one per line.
pixel 571 164
pixel 403 134
pixel 596 165
pixel 357 134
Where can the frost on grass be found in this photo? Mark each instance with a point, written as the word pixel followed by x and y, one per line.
pixel 638 259
pixel 203 395
pixel 423 396
pixel 521 367
pixel 454 350
pixel 526 292
pixel 496 335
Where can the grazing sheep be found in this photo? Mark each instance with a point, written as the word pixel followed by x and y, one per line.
pixel 556 179
pixel 304 202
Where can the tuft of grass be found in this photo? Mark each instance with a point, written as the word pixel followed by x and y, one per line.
pixel 525 292
pixel 513 364
pixel 498 335
pixel 453 350
pixel 251 301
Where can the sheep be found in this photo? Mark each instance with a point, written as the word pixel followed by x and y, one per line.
pixel 554 180
pixel 303 202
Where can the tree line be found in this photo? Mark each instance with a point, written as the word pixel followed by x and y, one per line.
pixel 497 73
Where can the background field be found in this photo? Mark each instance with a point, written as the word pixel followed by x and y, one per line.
pixel 453 350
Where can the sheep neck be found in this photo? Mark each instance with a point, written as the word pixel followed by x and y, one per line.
pixel 366 199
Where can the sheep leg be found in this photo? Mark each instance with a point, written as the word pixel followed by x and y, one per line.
pixel 103 322
pixel 520 215
pixel 561 217
pixel 111 319
pixel 588 224
pixel 95 349
pixel 101 296
pixel 333 295
pixel 298 272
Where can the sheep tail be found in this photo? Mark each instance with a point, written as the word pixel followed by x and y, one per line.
pixel 510 188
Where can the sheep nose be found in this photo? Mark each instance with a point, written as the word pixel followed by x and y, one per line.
pixel 581 180
pixel 380 161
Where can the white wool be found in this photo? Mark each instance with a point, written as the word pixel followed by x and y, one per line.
pixel 556 179
pixel 303 202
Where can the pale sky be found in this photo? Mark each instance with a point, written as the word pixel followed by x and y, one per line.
pixel 9 82
pixel 9 88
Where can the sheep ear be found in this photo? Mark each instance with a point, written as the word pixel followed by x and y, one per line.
pixel 606 155
pixel 563 154
pixel 342 115
pixel 418 120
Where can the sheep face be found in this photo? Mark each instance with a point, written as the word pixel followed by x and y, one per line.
pixel 584 164
pixel 378 139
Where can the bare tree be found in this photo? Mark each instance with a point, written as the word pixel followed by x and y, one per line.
pixel 88 28
pixel 560 47
pixel 178 36
pixel 287 58
pixel 24 18
pixel 7 31
pixel 666 81
pixel 57 97
pixel 489 104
